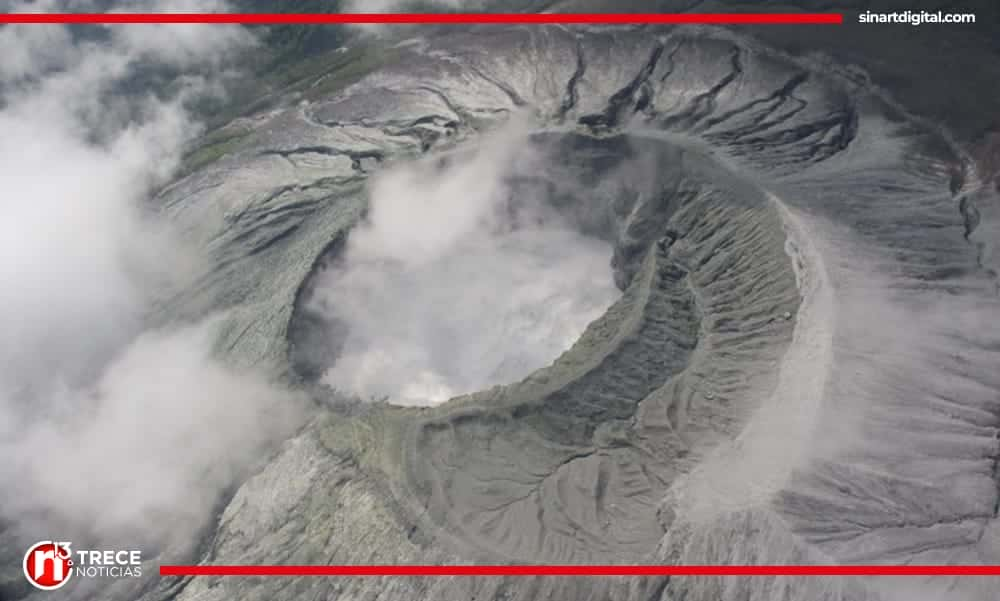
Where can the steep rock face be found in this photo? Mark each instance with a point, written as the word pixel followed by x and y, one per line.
pixel 797 369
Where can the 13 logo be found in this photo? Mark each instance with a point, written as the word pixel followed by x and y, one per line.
pixel 48 565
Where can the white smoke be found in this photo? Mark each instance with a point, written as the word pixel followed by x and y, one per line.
pixel 456 284
pixel 106 430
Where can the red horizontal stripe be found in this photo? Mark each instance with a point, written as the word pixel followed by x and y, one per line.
pixel 599 570
pixel 415 18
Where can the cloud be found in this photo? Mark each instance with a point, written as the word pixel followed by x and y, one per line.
pixel 109 430
pixel 142 455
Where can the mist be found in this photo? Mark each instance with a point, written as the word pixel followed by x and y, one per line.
pixel 458 281
pixel 111 431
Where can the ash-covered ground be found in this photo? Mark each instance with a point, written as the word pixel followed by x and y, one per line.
pixel 502 294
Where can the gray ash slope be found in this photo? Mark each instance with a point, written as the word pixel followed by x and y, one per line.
pixel 801 366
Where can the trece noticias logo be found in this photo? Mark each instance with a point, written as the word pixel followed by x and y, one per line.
pixel 49 565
